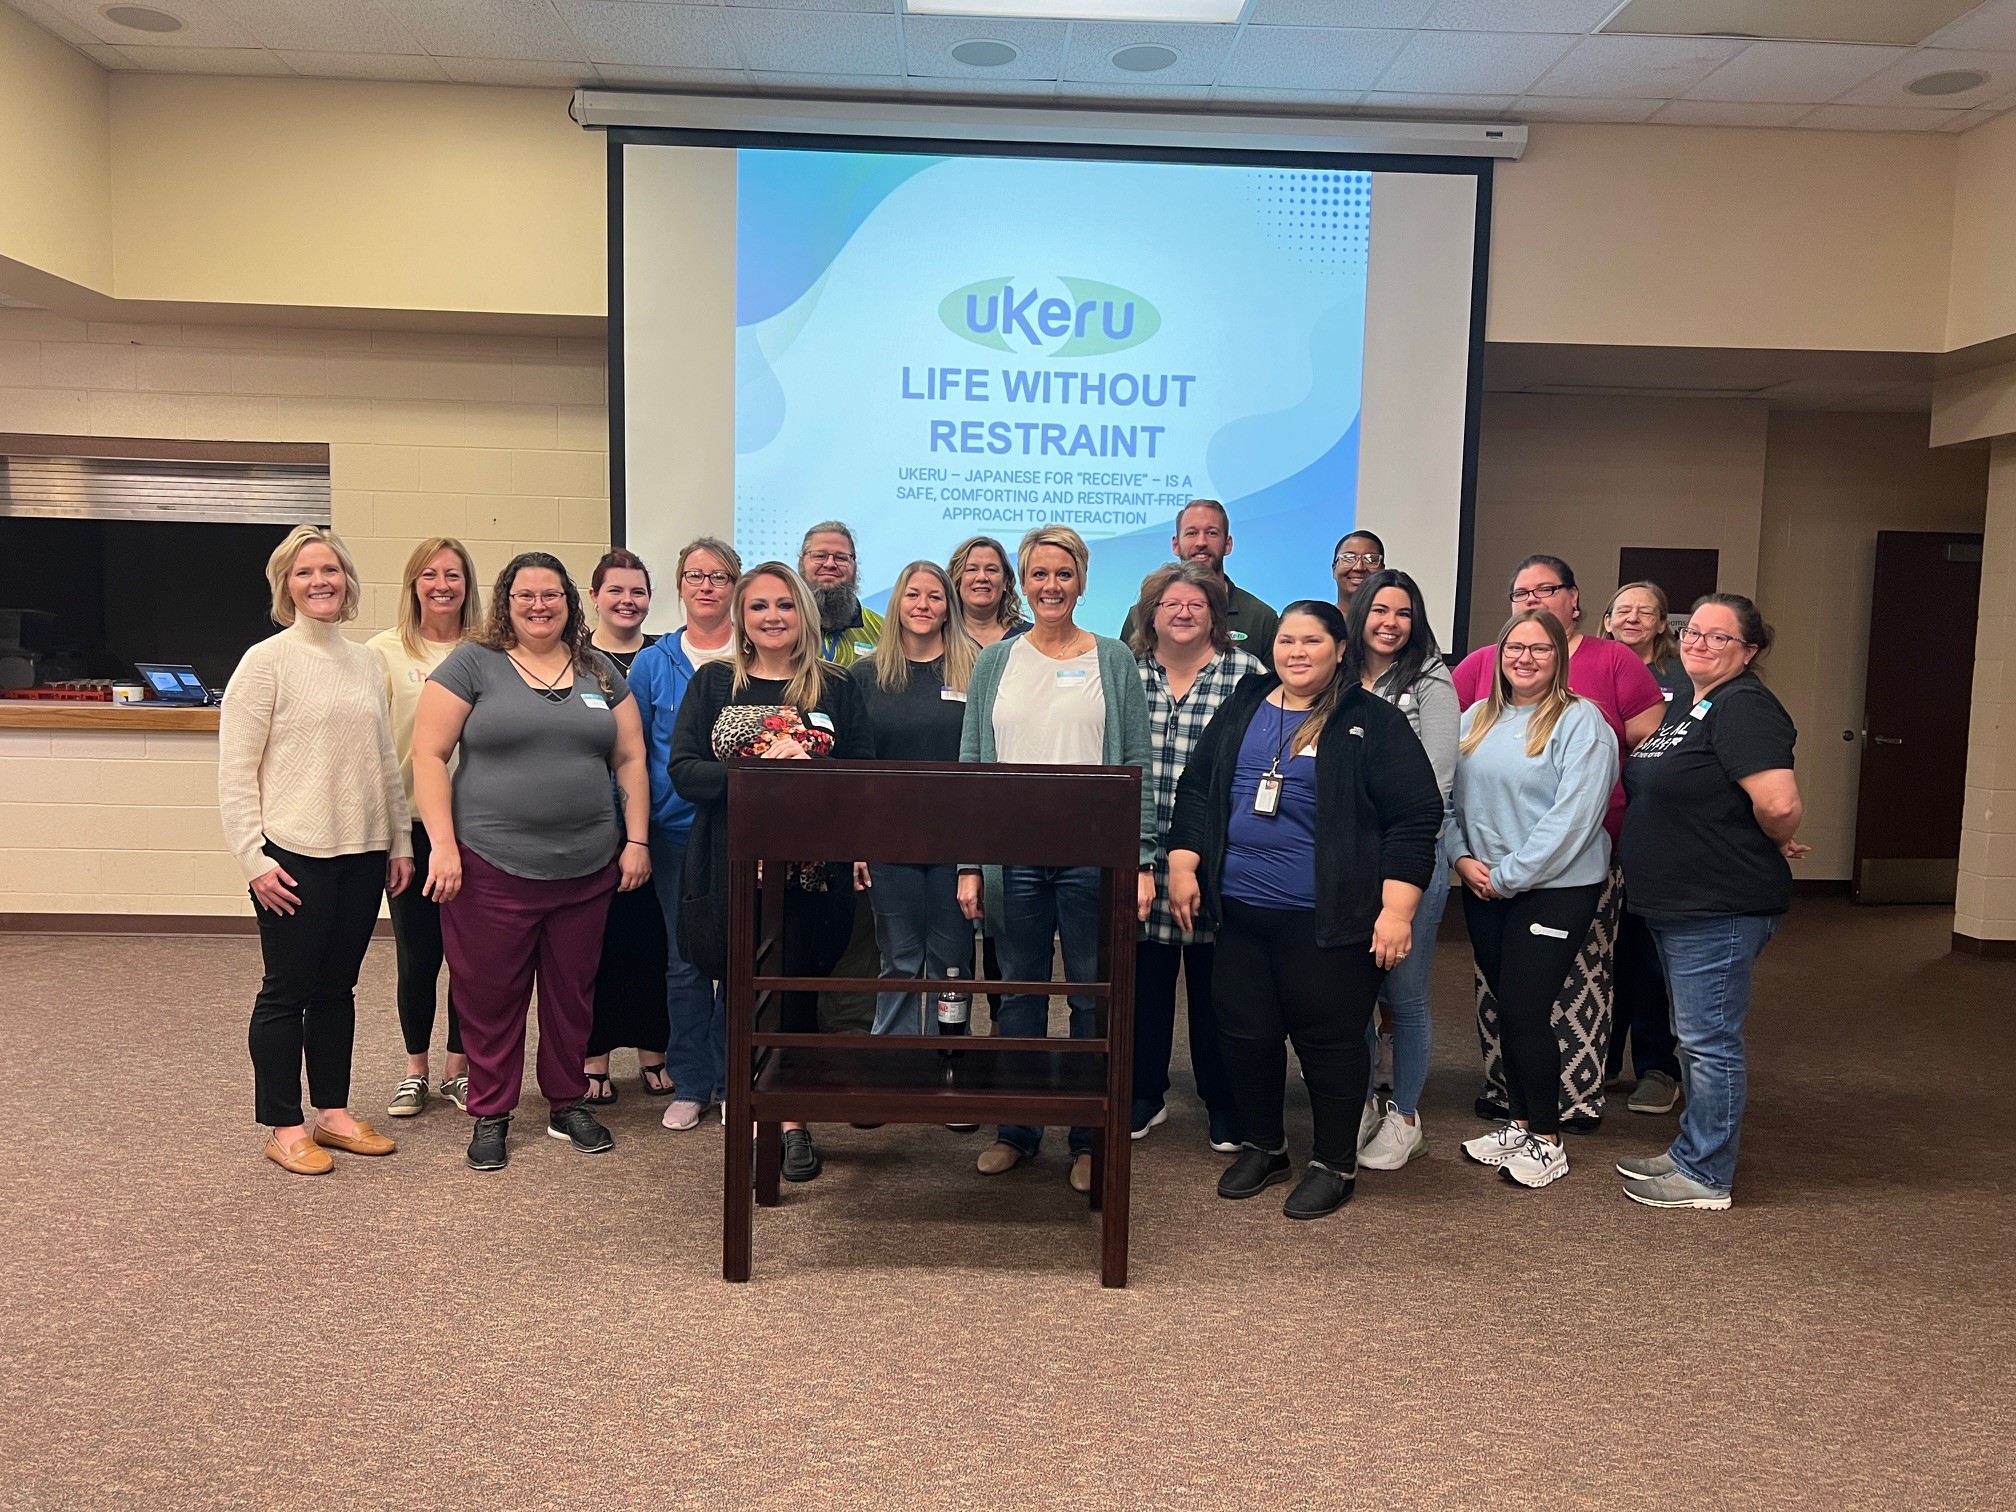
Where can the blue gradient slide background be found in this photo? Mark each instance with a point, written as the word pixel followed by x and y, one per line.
pixel 856 277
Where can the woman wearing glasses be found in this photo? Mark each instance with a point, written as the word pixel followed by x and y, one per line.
pixel 1711 826
pixel 1357 557
pixel 1613 679
pixel 527 845
pixel 1526 839
pixel 695 1010
pixel 989 606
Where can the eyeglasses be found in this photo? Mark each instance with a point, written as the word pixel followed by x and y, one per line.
pixel 542 599
pixel 1714 640
pixel 1529 653
pixel 1180 607
pixel 1358 559
pixel 830 558
pixel 693 577
pixel 1535 595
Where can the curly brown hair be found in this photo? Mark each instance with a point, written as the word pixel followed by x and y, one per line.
pixel 498 634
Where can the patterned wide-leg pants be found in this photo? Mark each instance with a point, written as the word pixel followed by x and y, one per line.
pixel 1581 1015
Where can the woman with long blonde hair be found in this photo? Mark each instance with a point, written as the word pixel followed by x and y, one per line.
pixel 1533 777
pixel 439 604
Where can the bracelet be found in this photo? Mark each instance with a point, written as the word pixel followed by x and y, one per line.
pixel 645 843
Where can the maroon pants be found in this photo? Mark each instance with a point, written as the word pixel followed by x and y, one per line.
pixel 501 933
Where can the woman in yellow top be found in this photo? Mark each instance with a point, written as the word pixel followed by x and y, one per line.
pixel 439 603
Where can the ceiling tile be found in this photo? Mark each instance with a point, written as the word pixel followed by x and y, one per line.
pixel 1793 73
pixel 1402 13
pixel 1200 52
pixel 864 86
pixel 1727 113
pixel 816 42
pixel 203 25
pixel 1887 87
pixel 356 26
pixel 105 55
pixel 341 65
pixel 1990 25
pixel 825 5
pixel 1581 108
pixel 1439 104
pixel 1519 15
pixel 928 42
pixel 55 22
pixel 1471 63
pixel 660 36
pixel 523 72
pixel 471 29
pixel 637 76
pixel 1300 101
pixel 1634 67
pixel 208 60
pixel 1874 118
pixel 1295 57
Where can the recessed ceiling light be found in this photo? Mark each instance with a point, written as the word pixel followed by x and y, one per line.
pixel 1953 81
pixel 1145 57
pixel 142 18
pixel 980 52
pixel 1222 11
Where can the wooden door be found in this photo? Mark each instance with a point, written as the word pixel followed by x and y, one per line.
pixel 1915 715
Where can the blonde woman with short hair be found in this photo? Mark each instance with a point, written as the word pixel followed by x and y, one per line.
pixel 313 808
pixel 1534 772
pixel 439 604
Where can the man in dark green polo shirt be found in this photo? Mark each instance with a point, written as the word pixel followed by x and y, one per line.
pixel 1204 534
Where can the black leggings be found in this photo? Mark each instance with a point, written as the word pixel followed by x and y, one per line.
pixel 1524 946
pixel 307 1004
pixel 1272 981
pixel 416 929
pixel 817 926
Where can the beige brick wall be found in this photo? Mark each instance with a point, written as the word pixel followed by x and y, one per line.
pixel 502 440
pixel 1985 908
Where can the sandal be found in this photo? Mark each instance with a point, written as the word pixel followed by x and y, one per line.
pixel 606 1096
pixel 661 1086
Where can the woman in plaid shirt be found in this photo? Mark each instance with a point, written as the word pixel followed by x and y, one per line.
pixel 1183 649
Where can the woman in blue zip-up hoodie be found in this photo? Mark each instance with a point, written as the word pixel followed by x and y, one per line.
pixel 696 1011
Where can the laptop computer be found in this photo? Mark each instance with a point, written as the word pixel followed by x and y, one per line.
pixel 173 683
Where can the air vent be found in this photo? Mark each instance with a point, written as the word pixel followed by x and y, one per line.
pixel 206 482
pixel 1895 23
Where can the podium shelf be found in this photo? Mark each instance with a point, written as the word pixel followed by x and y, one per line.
pixel 921 1086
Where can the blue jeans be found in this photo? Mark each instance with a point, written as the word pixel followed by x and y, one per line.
pixel 696 1010
pixel 922 934
pixel 1039 904
pixel 1406 993
pixel 1708 964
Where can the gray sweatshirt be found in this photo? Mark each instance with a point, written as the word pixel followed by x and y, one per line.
pixel 1429 702
pixel 1536 821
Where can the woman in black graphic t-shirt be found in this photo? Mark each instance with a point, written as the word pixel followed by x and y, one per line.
pixel 1713 812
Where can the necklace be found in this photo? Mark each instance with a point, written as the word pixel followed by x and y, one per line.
pixel 548 688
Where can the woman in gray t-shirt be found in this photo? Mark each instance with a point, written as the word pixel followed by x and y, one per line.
pixel 530 839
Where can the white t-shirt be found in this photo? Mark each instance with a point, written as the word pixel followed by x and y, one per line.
pixel 700 655
pixel 1049 712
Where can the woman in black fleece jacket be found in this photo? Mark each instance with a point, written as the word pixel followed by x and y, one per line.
pixel 1304 834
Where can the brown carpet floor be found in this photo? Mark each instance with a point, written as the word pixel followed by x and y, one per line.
pixel 183 1325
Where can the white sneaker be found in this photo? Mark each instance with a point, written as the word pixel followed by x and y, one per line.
pixel 1382 1064
pixel 1536 1162
pixel 1394 1144
pixel 1368 1122
pixel 683 1114
pixel 1497 1147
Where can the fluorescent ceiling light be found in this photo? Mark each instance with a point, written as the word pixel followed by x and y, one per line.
pixel 1086 10
pixel 1894 23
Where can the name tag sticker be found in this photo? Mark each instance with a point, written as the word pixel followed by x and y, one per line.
pixel 1667 694
pixel 594 700
pixel 1700 710
pixel 1551 934
pixel 952 695
pixel 1237 635
pixel 861 650
pixel 823 721
pixel 1071 677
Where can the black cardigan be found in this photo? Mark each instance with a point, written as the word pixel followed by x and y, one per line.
pixel 1378 807
pixel 701 778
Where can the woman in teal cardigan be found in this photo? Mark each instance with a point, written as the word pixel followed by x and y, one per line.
pixel 1056 696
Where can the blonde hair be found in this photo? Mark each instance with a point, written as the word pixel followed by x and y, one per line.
pixel 808 681
pixel 1664 647
pixel 721 551
pixel 280 567
pixel 1553 703
pixel 1008 610
pixel 1065 539
pixel 892 667
pixel 409 594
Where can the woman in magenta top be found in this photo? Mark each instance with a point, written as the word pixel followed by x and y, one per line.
pixel 1610 676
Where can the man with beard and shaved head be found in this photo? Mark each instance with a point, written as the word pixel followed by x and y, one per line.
pixel 827 563
pixel 1204 535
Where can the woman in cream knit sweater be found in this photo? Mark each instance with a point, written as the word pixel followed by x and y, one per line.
pixel 314 809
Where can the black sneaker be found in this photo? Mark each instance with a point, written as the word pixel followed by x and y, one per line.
pixel 577 1125
pixel 1253 1172
pixel 1490 1108
pixel 486 1145
pixel 1581 1123
pixel 1321 1191
pixel 801 1161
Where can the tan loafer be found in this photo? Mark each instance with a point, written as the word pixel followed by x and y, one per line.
pixel 366 1141
pixel 301 1157
pixel 1081 1174
pixel 998 1157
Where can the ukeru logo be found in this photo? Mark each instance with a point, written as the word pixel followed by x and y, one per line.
pixel 1021 316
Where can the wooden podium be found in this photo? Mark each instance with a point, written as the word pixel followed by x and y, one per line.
pixel 923 812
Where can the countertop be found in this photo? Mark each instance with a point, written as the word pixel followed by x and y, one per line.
pixel 53 714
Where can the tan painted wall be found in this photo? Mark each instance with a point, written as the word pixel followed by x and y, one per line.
pixel 501 440
pixel 1981 302
pixel 1985 908
pixel 55 155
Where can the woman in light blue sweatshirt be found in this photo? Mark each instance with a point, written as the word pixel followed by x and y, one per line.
pixel 1526 839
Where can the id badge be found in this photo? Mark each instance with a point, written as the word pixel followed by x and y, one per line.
pixel 1267 797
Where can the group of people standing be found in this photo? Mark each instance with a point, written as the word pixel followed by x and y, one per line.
pixel 544 801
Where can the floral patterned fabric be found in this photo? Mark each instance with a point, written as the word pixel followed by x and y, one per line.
pixel 753 729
